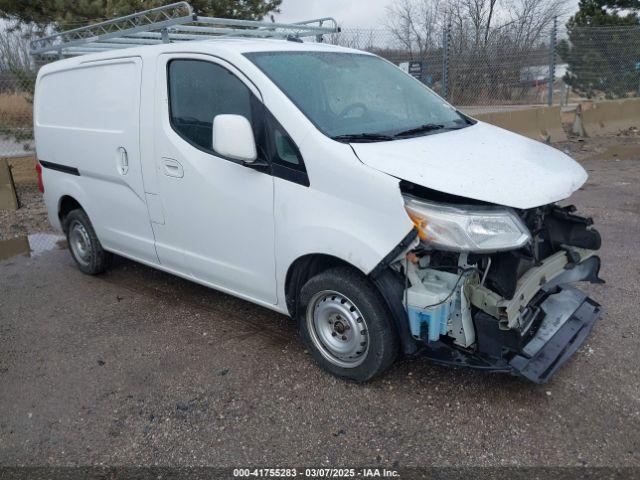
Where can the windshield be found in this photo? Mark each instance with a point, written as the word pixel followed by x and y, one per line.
pixel 358 97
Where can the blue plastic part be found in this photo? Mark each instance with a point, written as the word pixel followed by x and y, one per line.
pixel 434 319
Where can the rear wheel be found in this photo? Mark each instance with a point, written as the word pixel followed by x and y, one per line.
pixel 84 245
pixel 346 324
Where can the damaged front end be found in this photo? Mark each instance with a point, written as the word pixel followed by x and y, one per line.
pixel 489 287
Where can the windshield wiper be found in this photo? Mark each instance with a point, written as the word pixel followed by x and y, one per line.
pixel 428 127
pixel 363 137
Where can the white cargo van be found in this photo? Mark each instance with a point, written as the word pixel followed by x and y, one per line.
pixel 320 182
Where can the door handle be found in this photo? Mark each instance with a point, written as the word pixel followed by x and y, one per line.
pixel 123 161
pixel 172 168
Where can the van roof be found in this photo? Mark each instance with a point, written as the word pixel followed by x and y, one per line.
pixel 223 46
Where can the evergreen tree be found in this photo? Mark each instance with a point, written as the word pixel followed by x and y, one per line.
pixel 69 13
pixel 603 58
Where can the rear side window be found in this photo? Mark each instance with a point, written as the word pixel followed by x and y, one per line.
pixel 198 92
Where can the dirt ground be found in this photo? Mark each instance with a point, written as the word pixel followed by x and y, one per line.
pixel 137 367
pixel 31 217
pixel 624 146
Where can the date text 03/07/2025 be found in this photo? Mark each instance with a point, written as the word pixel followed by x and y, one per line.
pixel 315 473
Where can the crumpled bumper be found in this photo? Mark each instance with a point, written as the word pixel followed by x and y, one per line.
pixel 547 330
pixel 569 318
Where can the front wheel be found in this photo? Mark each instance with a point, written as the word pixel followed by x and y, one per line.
pixel 346 324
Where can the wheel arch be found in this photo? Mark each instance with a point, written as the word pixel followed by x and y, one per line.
pixel 67 204
pixel 304 268
pixel 389 284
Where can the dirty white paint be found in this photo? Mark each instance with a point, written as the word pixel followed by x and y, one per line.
pixel 481 162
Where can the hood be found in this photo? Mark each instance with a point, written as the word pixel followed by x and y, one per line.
pixel 480 162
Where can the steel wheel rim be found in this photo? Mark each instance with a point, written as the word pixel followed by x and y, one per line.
pixel 337 329
pixel 80 243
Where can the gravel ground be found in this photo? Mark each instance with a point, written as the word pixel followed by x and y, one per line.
pixel 30 218
pixel 140 368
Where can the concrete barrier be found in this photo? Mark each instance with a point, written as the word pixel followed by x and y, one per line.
pixel 609 117
pixel 8 198
pixel 540 123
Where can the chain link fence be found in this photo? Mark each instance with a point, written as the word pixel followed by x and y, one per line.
pixel 17 82
pixel 497 74
pixel 603 62
pixel 556 66
pixel 578 64
pixel 16 113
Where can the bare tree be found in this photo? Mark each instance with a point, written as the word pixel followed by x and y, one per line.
pixel 14 48
pixel 530 20
pixel 492 41
pixel 480 14
pixel 416 24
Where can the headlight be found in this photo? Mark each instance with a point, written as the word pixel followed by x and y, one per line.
pixel 467 229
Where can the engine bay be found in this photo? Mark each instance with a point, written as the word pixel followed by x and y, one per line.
pixel 511 311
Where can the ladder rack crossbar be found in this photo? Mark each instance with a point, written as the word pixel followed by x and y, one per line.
pixel 215 32
pixel 170 23
pixel 302 26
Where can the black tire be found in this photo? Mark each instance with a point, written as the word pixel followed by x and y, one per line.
pixel 92 259
pixel 352 290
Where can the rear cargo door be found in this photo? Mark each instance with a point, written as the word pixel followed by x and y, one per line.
pixel 88 118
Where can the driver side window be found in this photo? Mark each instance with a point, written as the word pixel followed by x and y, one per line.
pixel 198 92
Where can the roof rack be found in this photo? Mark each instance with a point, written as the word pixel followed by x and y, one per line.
pixel 176 22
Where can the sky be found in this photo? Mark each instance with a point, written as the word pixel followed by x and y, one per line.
pixel 361 13
pixel 355 13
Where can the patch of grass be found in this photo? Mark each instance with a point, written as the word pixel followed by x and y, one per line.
pixel 16 115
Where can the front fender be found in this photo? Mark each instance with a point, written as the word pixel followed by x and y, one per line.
pixel 361 233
